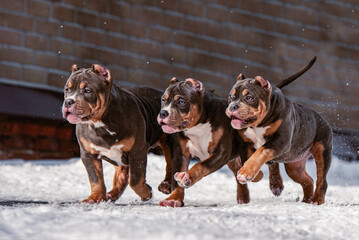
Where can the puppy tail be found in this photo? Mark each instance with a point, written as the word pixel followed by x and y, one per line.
pixel 290 79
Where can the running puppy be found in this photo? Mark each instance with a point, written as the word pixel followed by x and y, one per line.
pixel 202 131
pixel 280 131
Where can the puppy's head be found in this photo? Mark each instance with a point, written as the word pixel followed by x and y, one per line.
pixel 248 101
pixel 86 94
pixel 182 105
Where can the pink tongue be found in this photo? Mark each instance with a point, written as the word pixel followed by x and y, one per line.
pixel 168 129
pixel 73 119
pixel 236 123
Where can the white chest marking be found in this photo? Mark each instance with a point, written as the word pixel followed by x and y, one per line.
pixel 114 153
pixel 199 138
pixel 99 124
pixel 256 134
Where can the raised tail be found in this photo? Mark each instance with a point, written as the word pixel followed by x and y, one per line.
pixel 290 79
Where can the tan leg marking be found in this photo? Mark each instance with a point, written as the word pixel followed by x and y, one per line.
pixel 253 165
pixel 86 145
pixel 120 182
pixel 142 189
pixel 297 172
pixel 321 185
pixel 98 190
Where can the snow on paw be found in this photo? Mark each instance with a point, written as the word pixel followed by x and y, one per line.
pixel 164 187
pixel 183 179
pixel 170 203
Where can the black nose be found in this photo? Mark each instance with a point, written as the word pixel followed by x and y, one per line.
pixel 69 102
pixel 163 114
pixel 233 107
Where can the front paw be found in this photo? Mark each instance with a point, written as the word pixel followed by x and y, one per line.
pixel 164 187
pixel 315 200
pixel 183 179
pixel 113 195
pixel 148 196
pixel 95 198
pixel 171 203
pixel 244 175
pixel 276 186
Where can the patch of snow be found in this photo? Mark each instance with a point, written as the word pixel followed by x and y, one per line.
pixel 210 211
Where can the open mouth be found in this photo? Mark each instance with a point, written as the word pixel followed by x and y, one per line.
pixel 242 122
pixel 167 128
pixel 73 118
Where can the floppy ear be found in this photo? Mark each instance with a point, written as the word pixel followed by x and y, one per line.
pixel 240 77
pixel 75 67
pixel 104 72
pixel 173 80
pixel 264 83
pixel 197 85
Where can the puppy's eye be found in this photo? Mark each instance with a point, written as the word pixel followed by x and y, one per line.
pixel 87 90
pixel 163 99
pixel 181 102
pixel 231 97
pixel 67 90
pixel 249 98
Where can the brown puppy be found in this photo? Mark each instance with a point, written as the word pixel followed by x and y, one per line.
pixel 117 125
pixel 280 131
pixel 201 131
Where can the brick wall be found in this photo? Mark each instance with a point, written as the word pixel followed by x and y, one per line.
pixel 147 42
pixel 26 138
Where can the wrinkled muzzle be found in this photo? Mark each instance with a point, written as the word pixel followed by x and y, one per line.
pixel 171 122
pixel 242 116
pixel 76 112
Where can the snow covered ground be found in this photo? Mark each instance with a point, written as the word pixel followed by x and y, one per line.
pixel 211 211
